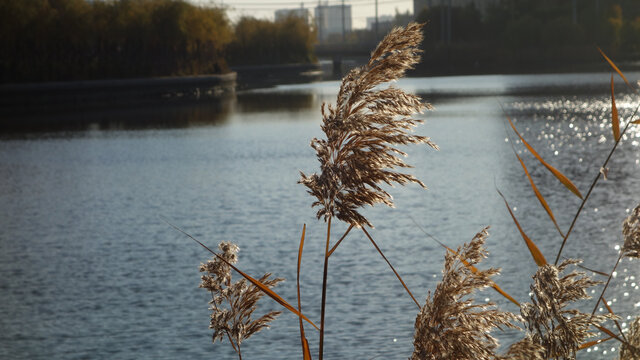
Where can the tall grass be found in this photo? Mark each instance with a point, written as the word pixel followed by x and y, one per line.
pixel 363 129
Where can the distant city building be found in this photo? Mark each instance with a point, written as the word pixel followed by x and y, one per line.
pixel 299 12
pixel 385 23
pixel 481 5
pixel 332 21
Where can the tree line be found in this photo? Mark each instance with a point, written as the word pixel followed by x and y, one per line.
pixel 57 40
pixel 522 35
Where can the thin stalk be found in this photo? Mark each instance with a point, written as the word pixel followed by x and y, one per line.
pixel 593 185
pixel 392 268
pixel 303 339
pixel 339 241
pixel 226 332
pixel 601 297
pixel 607 284
pixel 239 352
pixel 324 290
pixel 614 320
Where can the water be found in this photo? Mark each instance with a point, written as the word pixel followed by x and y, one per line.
pixel 89 269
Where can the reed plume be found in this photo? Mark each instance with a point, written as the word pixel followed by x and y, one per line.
pixel 232 304
pixel 450 325
pixel 525 349
pixel 633 337
pixel 548 320
pixel 631 233
pixel 363 131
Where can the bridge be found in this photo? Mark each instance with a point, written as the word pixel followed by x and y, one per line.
pixel 340 53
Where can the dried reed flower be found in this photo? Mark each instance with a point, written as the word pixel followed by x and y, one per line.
pixel 362 130
pixel 631 232
pixel 633 336
pixel 525 349
pixel 233 304
pixel 450 325
pixel 558 329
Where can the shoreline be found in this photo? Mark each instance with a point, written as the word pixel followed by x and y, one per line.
pixel 17 98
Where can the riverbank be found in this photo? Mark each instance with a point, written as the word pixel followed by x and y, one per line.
pixel 20 99
pixel 263 76
pixel 16 99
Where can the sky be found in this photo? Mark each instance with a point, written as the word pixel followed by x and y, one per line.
pixel 360 9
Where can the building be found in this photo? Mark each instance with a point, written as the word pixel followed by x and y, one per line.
pixel 332 21
pixel 481 5
pixel 299 12
pixel 385 22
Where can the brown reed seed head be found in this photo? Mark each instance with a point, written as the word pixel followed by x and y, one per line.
pixel 549 322
pixel 232 304
pixel 450 325
pixel 525 349
pixel 363 130
pixel 633 336
pixel 631 232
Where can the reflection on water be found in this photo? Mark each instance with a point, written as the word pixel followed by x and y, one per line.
pixel 169 115
pixel 251 102
pixel 160 116
pixel 89 270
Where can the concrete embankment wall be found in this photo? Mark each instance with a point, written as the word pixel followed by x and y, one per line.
pixel 109 93
pixel 256 76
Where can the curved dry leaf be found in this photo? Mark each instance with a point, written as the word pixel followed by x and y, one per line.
pixel 533 249
pixel 306 353
pixel 272 294
pixel 616 69
pixel 615 121
pixel 543 202
pixel 475 270
pixel 594 342
pixel 563 179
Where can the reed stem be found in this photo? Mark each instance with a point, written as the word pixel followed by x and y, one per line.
pixel 593 185
pixel 339 241
pixel 392 268
pixel 606 285
pixel 324 290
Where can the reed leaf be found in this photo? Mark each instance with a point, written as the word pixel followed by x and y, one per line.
pixel 272 294
pixel 608 332
pixel 541 199
pixel 615 121
pixel 593 343
pixel 563 179
pixel 306 353
pixel 616 69
pixel 533 249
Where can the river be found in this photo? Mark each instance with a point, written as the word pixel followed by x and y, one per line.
pixel 89 269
